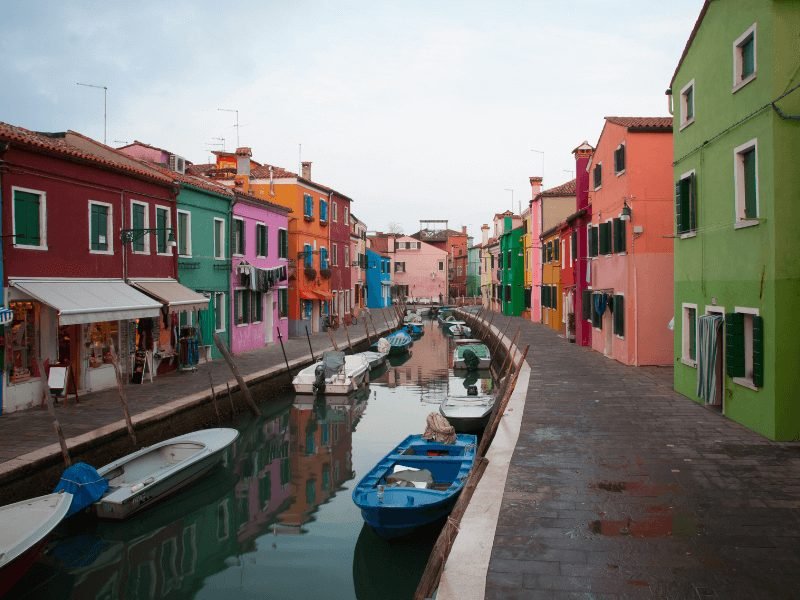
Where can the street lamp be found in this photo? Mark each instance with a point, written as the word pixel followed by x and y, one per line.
pixel 128 236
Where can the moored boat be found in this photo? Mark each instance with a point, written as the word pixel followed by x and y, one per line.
pixel 336 373
pixel 471 354
pixel 399 342
pixel 416 484
pixel 140 479
pixel 467 414
pixel 24 527
pixel 377 356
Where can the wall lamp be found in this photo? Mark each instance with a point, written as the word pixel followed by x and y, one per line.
pixel 128 236
pixel 626 211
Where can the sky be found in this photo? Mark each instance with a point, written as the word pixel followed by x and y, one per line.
pixel 414 109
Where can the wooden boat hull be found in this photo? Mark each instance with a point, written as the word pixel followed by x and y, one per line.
pixel 398 511
pixel 139 480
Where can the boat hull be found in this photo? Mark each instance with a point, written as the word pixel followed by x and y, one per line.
pixel 334 388
pixel 356 373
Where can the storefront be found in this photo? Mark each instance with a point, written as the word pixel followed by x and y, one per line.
pixel 77 323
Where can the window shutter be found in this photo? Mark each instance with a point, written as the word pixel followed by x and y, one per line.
pixel 619 315
pixel 758 351
pixel 586 305
pixel 619 235
pixel 748 58
pixel 542 292
pixel 574 245
pixel 692 203
pixel 734 344
pixel 26 218
pixel 556 250
pixel 622 158
pixel 236 310
pixel 749 164
pixel 678 220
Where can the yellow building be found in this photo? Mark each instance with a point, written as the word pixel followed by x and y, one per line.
pixel 551 279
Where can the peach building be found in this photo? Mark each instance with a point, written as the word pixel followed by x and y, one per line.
pixel 630 241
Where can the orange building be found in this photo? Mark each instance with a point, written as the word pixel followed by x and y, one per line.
pixel 551 278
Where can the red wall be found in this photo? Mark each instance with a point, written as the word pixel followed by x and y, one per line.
pixel 69 187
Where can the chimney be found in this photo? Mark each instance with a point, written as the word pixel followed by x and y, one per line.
pixel 464 229
pixel 484 233
pixel 536 186
pixel 583 154
pixel 243 168
pixel 306 172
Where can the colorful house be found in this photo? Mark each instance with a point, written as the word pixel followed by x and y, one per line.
pixel 568 240
pixel 580 221
pixel 736 97
pixel 527 258
pixel 418 273
pixel 438 234
pixel 486 266
pixel 358 247
pixel 550 291
pixel 76 291
pixel 631 243
pixel 473 270
pixel 378 278
pixel 512 267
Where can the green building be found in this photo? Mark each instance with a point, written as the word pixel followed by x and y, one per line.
pixel 473 271
pixel 203 218
pixel 736 103
pixel 512 272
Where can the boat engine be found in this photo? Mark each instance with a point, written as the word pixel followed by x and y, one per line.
pixel 471 360
pixel 472 390
pixel 319 379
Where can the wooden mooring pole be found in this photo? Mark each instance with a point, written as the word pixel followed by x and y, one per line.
pixel 235 370
pixel 214 397
pixel 286 360
pixel 347 334
pixel 123 397
pixel 310 349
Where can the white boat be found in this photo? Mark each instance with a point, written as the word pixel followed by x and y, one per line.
pixel 467 414
pixel 376 358
pixel 478 356
pixel 413 316
pixel 140 479
pixel 458 330
pixel 24 527
pixel 334 374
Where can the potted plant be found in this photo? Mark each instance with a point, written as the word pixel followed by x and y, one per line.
pixel 310 272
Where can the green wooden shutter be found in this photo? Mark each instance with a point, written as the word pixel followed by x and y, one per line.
pixel 692 334
pixel 758 351
pixel 574 245
pixel 26 218
pixel 586 305
pixel 619 315
pixel 161 230
pixel 691 205
pixel 542 292
pixel 678 220
pixel 749 164
pixel 748 58
pixel 137 220
pixel 556 250
pixel 734 344
pixel 98 227
pixel 619 235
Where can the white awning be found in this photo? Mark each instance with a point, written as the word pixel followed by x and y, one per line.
pixel 177 297
pixel 89 300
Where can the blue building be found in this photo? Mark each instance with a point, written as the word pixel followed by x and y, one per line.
pixel 378 278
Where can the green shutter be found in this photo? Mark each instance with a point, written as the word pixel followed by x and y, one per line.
pixel 26 218
pixel 692 203
pixel 678 220
pixel 161 230
pixel 586 305
pixel 758 351
pixel 556 250
pixel 574 244
pixel 138 223
pixel 593 241
pixel 749 164
pixel 98 227
pixel 619 235
pixel 692 334
pixel 605 238
pixel 734 344
pixel 619 315
pixel 748 58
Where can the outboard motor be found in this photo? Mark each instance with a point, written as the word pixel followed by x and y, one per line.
pixel 472 390
pixel 319 379
pixel 471 360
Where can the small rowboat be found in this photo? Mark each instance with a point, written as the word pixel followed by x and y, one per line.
pixel 416 484
pixel 24 527
pixel 399 342
pixel 139 480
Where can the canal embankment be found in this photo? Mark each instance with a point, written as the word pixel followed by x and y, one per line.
pixel 96 432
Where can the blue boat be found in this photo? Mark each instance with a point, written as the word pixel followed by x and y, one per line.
pixel 416 484
pixel 399 342
pixel 415 330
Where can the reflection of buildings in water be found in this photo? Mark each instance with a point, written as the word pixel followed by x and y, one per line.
pixel 456 386
pixel 321 460
pixel 425 365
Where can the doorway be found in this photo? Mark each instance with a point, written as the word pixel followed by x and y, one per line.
pixel 268 311
pixel 69 351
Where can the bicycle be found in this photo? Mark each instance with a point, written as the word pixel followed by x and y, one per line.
pixel 330 322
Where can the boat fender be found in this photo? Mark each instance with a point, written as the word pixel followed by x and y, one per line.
pixel 319 379
pixel 472 390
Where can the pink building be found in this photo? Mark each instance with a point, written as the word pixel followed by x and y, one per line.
pixel 630 243
pixel 419 270
pixel 258 276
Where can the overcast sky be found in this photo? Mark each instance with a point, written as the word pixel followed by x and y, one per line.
pixel 415 109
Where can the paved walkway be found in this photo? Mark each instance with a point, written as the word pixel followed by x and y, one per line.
pixel 620 488
pixel 27 436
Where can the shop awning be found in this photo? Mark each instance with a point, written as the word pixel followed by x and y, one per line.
pixel 308 295
pixel 6 316
pixel 89 300
pixel 169 292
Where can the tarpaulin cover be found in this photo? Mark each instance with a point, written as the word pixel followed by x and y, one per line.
pixel 333 361
pixel 85 484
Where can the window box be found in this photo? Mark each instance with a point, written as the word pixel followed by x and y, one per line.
pixel 310 272
pixel 325 273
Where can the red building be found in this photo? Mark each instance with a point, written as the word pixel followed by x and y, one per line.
pixel 88 230
pixel 581 221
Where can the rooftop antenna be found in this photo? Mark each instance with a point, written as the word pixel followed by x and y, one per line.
pixel 121 142
pixel 220 142
pixel 236 125
pixel 300 158
pixel 105 105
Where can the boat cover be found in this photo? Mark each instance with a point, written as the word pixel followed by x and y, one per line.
pixel 409 477
pixel 399 338
pixel 439 429
pixel 383 346
pixel 85 484
pixel 333 361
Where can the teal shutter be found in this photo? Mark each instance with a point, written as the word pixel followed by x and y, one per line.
pixel 678 219
pixel 309 259
pixel 26 218
pixel 283 243
pixel 692 334
pixel 161 230
pixel 749 163
pixel 605 235
pixel 691 205
pixel 138 223
pixel 758 351
pixel 619 315
pixel 734 344
pixel 99 227
pixel 748 50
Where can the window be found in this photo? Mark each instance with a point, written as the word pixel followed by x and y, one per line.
pixel 744 58
pixel 604 244
pixel 335 255
pixel 508 293
pixel 346 216
pixel 100 225
pixel 556 253
pixel 347 256
pixel 686 203
pixel 597 318
pixel 162 226
pixel 140 220
pixel 744 347
pixel 598 176
pixel 619 235
pixel 593 241
pixel 308 256
pixel 283 302
pixel 237 238
pixel 219 239
pixel 335 212
pixel 248 307
pixel 746 181
pixel 586 305
pixel 689 335
pixel 308 207
pixel 30 218
pixel 261 240
pixel 574 244
pixel 687 104
pixel 399 267
pixel 619 315
pixel 323 210
pixel 219 311
pixel 283 243
pixel 441 265
pixel 184 233
pixel 619 159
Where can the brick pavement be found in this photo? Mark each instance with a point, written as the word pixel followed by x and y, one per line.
pixel 621 488
pixel 29 433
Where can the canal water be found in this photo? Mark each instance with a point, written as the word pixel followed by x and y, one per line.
pixel 276 520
